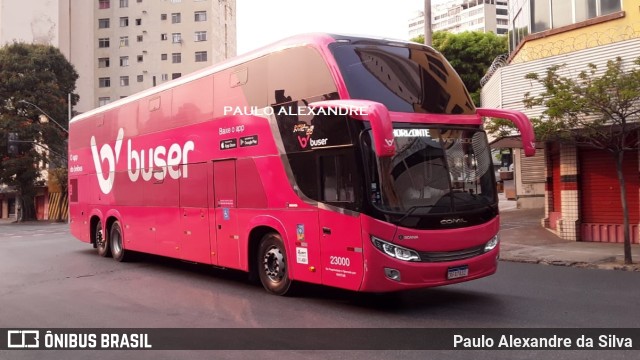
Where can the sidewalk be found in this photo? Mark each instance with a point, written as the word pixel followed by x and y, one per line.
pixel 523 239
pixel 7 221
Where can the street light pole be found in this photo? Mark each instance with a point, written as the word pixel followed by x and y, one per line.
pixel 45 113
pixel 427 23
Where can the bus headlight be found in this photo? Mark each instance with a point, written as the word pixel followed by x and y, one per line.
pixel 491 244
pixel 395 251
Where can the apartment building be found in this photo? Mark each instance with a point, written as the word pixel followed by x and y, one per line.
pixel 138 44
pixel 457 16
pixel 120 47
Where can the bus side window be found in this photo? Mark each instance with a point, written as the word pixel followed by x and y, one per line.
pixel 337 179
pixel 300 73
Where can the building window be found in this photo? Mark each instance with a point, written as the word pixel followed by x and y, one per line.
pixel 124 41
pixel 165 77
pixel 200 16
pixel 102 101
pixel 103 23
pixel 104 82
pixel 139 38
pixel 103 62
pixel 124 21
pixel 140 78
pixel 104 4
pixel 103 42
pixel 200 36
pixel 138 22
pixel 124 61
pixel 124 81
pixel 140 58
pixel 176 58
pixel 163 36
pixel 201 56
pixel 163 16
pixel 587 9
pixel 547 15
pixel 175 76
pixel 124 3
pixel 609 6
pixel 163 57
pixel 175 18
pixel 177 37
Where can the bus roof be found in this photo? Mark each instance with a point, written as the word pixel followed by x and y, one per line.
pixel 318 39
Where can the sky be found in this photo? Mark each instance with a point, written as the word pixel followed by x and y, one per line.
pixel 261 22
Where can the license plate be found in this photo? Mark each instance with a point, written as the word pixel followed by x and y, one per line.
pixel 457 272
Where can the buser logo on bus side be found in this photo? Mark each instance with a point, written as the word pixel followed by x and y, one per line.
pixel 160 161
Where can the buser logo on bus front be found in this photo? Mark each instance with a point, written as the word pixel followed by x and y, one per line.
pixel 160 161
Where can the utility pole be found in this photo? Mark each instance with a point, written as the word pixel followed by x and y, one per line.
pixel 427 23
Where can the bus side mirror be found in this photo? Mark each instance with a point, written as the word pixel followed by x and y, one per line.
pixel 376 113
pixel 521 121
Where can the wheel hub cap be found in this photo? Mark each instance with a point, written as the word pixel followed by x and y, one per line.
pixel 273 264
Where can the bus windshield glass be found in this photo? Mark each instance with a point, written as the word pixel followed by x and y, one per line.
pixel 404 77
pixel 436 170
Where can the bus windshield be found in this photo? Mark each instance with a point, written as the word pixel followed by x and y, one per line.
pixel 404 77
pixel 436 170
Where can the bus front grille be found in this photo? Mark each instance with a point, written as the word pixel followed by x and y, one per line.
pixel 442 256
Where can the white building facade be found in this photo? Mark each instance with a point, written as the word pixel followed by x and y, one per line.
pixel 120 47
pixel 457 16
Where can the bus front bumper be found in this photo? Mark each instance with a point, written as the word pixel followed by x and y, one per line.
pixel 386 274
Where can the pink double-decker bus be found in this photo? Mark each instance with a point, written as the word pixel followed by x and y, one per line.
pixel 351 162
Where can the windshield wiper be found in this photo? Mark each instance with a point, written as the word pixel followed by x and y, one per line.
pixel 412 209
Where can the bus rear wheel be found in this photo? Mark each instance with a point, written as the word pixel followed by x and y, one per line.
pixel 115 241
pixel 272 265
pixel 100 240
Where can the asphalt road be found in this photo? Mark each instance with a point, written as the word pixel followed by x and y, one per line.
pixel 48 279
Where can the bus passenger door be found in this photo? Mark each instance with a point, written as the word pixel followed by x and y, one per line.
pixel 225 210
pixel 341 243
pixel 194 215
pixel 340 234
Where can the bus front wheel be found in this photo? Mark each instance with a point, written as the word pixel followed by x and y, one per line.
pixel 115 241
pixel 100 241
pixel 272 265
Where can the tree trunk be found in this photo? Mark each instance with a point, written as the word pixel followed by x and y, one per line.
pixel 625 209
pixel 28 208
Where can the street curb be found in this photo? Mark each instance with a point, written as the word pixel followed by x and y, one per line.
pixel 577 264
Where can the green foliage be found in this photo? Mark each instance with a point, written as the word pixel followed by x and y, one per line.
pixel 41 75
pixel 470 53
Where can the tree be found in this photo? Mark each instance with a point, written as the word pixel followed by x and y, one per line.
pixel 470 53
pixel 33 79
pixel 596 109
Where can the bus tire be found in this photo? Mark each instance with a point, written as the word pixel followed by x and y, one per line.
pixel 116 244
pixel 272 265
pixel 101 242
